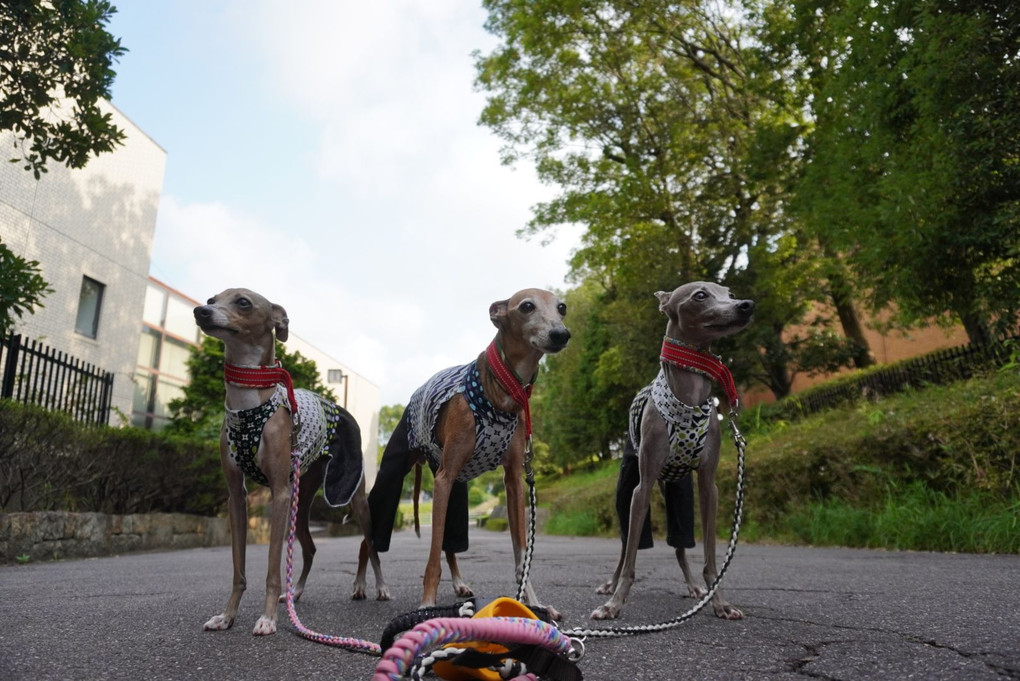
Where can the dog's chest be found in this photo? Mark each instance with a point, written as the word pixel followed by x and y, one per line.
pixel 319 419
pixel 494 429
pixel 686 426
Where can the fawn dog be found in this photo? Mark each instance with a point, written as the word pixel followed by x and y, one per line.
pixel 674 430
pixel 465 421
pixel 258 437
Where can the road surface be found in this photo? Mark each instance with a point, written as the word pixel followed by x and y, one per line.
pixel 809 613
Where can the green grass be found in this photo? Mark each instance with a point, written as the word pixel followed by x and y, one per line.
pixel 933 469
pixel 916 518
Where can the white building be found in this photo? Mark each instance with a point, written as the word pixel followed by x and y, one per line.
pixel 91 231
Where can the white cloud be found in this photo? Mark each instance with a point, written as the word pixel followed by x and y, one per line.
pixel 402 231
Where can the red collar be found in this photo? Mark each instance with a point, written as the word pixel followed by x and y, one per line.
pixel 689 358
pixel 261 377
pixel 509 381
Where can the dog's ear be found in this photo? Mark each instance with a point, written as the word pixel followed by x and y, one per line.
pixel 498 311
pixel 280 322
pixel 664 306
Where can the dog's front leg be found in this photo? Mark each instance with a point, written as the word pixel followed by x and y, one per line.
pixel 442 485
pixel 709 502
pixel 237 508
pixel 278 524
pixel 625 579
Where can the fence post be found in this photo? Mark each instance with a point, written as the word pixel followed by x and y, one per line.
pixel 10 366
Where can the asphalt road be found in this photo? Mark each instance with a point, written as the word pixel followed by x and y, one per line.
pixel 817 613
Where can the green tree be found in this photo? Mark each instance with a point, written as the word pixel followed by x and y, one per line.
pixel 200 411
pixel 56 62
pixel 22 288
pixel 673 139
pixel 914 172
pixel 389 417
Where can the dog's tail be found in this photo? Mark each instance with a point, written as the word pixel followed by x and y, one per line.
pixel 417 491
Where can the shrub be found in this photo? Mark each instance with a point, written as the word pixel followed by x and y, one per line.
pixel 50 462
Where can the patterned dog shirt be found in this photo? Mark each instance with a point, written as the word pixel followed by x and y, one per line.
pixel 687 426
pixel 493 428
pixel 318 417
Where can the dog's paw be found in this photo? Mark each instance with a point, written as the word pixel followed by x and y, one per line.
pixel 358 593
pixel 727 612
pixel 264 627
pixel 297 595
pixel 606 612
pixel 554 614
pixel 607 588
pixel 218 623
pixel 383 593
pixel 696 592
pixel 461 589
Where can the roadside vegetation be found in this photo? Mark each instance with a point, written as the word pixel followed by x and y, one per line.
pixel 932 469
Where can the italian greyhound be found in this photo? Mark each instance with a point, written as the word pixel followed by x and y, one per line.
pixel 465 421
pixel 674 430
pixel 257 439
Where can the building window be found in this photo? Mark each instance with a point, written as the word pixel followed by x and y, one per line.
pixel 90 301
pixel 335 376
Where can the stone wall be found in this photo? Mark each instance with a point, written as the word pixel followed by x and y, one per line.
pixel 52 535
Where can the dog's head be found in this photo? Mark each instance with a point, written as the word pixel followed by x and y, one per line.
pixel 242 318
pixel 700 312
pixel 535 316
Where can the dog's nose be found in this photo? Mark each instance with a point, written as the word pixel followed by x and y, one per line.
pixel 202 312
pixel 559 336
pixel 746 307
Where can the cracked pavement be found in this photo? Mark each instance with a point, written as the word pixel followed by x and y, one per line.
pixel 809 613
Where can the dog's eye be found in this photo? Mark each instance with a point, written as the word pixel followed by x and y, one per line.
pixel 243 302
pixel 562 309
pixel 527 307
pixel 700 295
pixel 211 301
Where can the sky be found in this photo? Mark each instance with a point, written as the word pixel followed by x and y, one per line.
pixel 327 154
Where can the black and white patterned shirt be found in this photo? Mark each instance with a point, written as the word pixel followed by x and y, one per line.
pixel 318 417
pixel 687 426
pixel 493 428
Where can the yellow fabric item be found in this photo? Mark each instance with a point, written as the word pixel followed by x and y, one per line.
pixel 501 607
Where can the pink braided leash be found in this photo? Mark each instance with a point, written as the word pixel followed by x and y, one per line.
pixel 353 644
pixel 398 659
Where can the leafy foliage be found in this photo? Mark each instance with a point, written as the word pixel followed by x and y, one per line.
pixel 56 63
pixel 673 139
pixel 50 462
pixel 22 288
pixel 914 168
pixel 200 411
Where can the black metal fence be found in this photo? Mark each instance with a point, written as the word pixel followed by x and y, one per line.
pixel 935 368
pixel 34 373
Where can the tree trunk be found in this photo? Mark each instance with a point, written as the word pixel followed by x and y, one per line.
pixel 977 330
pixel 842 299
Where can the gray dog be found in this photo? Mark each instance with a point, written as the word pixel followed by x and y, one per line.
pixel 680 433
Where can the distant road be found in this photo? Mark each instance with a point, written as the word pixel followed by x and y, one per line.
pixel 818 613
